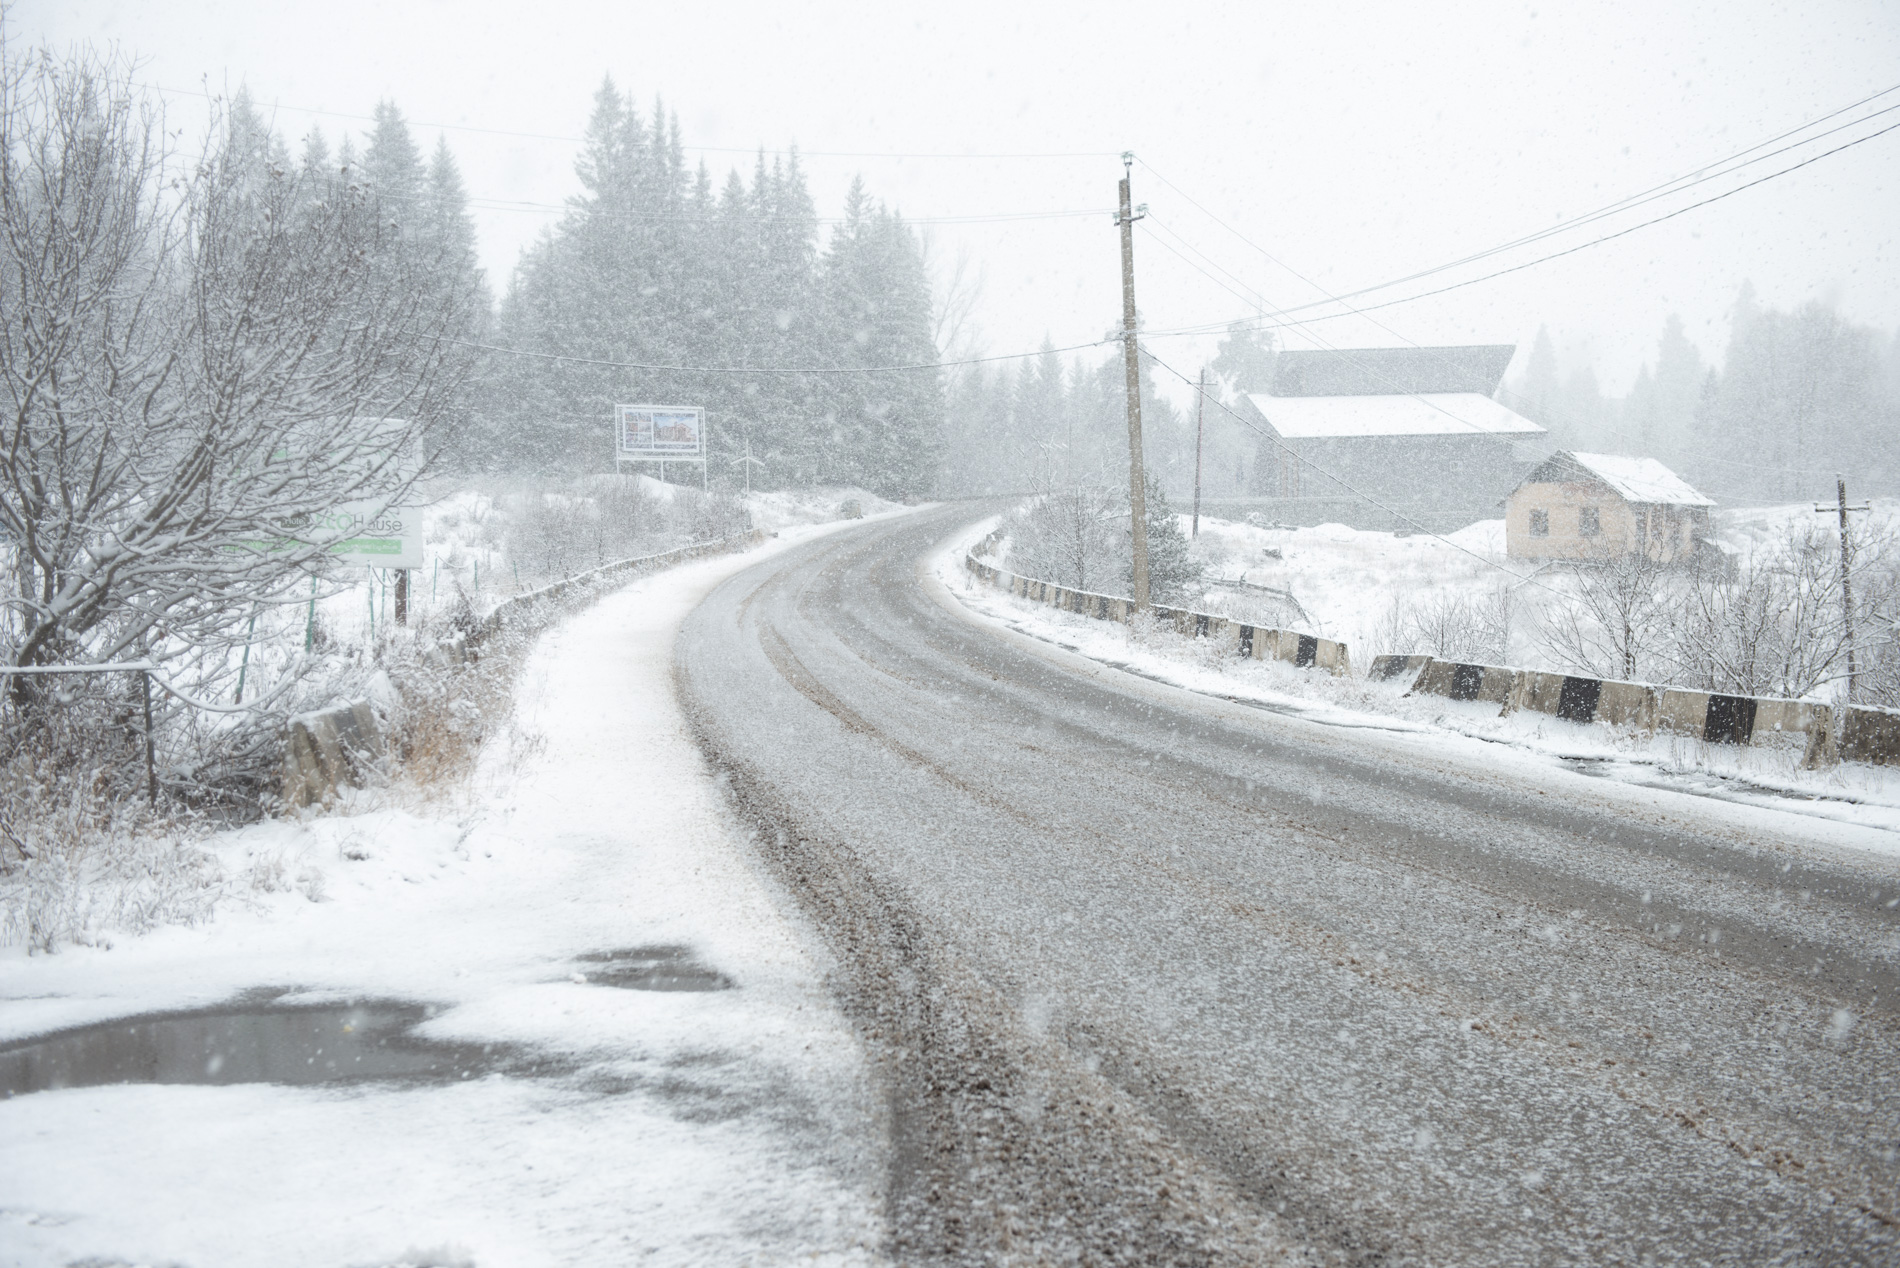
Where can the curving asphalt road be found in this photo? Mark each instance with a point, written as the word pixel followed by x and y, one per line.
pixel 1156 978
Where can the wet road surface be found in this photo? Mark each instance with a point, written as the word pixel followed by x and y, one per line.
pixel 1155 978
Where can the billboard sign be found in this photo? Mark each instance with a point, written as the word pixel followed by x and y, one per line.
pixel 372 535
pixel 659 431
pixel 361 532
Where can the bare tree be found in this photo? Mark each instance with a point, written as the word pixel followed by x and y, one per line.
pixel 1777 627
pixel 956 293
pixel 1073 538
pixel 1619 621
pixel 202 364
pixel 1455 627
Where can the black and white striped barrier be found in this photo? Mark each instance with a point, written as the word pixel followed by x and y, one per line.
pixel 1711 717
pixel 1388 668
pixel 1455 681
pixel 1302 651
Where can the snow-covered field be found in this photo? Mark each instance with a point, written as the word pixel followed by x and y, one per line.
pixel 1341 577
pixel 718 1127
pixel 1346 578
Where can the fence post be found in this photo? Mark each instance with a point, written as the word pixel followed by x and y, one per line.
pixel 151 766
pixel 245 664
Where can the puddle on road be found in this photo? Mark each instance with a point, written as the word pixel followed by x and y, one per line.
pixel 652 969
pixel 243 1044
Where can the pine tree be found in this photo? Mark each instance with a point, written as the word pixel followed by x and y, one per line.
pixel 392 165
pixel 1172 573
pixel 1537 395
pixel 886 428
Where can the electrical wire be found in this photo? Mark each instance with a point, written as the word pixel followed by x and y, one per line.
pixel 744 369
pixel 1346 353
pixel 1300 327
pixel 698 149
pixel 549 209
pixel 1711 171
pixel 1543 259
pixel 1430 400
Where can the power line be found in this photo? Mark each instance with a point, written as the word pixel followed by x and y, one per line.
pixel 704 149
pixel 1711 171
pixel 1608 237
pixel 1318 342
pixel 1430 401
pixel 551 209
pixel 757 369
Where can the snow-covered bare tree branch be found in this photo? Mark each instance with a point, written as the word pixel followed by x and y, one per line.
pixel 201 362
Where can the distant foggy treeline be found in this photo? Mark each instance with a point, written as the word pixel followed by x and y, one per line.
pixel 651 265
pixel 1797 397
pixel 775 309
pixel 1054 422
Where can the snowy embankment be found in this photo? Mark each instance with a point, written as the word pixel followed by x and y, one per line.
pixel 712 1127
pixel 1346 587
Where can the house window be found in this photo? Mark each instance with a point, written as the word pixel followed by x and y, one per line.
pixel 1540 523
pixel 1588 525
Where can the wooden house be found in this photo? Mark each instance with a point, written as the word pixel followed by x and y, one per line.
pixel 1603 506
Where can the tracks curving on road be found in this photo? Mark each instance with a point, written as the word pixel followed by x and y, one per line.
pixel 1158 979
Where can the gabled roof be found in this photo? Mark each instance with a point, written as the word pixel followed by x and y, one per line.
pixel 1390 371
pixel 1436 414
pixel 1642 480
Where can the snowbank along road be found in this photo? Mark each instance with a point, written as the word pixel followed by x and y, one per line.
pixel 1157 978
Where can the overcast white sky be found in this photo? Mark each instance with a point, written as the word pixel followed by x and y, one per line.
pixel 1355 143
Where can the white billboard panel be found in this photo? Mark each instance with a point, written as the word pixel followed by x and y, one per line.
pixel 374 536
pixel 659 431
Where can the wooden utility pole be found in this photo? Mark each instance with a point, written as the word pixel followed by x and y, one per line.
pixel 402 597
pixel 1137 484
pixel 1200 418
pixel 1842 509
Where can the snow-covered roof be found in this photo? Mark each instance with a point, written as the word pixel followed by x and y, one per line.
pixel 1432 414
pixel 1634 479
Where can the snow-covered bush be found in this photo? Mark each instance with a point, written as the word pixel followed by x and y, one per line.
pixel 1456 626
pixel 555 530
pixel 203 359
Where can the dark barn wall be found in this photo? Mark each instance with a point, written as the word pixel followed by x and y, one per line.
pixel 1441 482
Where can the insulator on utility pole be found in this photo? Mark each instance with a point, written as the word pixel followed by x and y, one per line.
pixel 1137 484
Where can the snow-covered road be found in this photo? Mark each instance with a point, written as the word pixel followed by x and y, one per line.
pixel 625 1126
pixel 1168 979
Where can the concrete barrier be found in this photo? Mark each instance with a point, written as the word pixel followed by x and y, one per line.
pixel 1709 716
pixel 1303 651
pixel 1389 668
pixel 327 749
pixel 1871 735
pixel 1630 704
pixel 1490 683
pixel 1579 699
